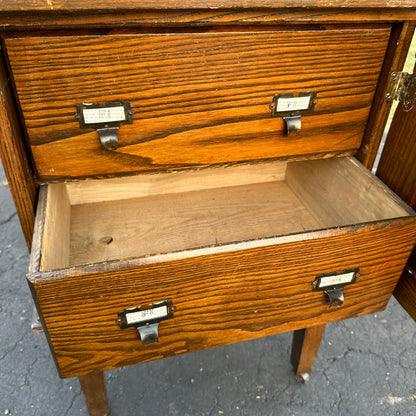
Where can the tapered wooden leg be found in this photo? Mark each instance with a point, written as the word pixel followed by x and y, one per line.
pixel 95 394
pixel 304 349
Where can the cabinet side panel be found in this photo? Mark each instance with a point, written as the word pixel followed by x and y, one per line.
pixel 14 157
pixel 399 44
pixel 397 168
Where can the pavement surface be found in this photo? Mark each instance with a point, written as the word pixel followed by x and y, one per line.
pixel 365 366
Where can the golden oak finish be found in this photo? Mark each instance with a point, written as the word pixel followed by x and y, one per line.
pixel 16 161
pixel 93 388
pixel 215 254
pixel 397 168
pixel 200 76
pixel 198 98
pixel 304 349
pixel 173 18
pixel 400 40
pixel 102 5
pixel 220 298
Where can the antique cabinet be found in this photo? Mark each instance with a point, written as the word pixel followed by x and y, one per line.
pixel 192 174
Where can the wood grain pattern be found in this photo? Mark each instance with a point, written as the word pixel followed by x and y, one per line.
pixel 95 394
pixel 220 298
pixel 405 291
pixel 188 220
pixel 101 5
pixel 16 161
pixel 56 235
pixel 401 38
pixel 305 347
pixel 199 98
pixel 397 168
pixel 341 192
pixel 56 20
pixel 99 190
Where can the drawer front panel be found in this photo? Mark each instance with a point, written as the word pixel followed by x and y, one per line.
pixel 220 298
pixel 198 98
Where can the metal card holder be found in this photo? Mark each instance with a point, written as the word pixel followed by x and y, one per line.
pixel 146 319
pixel 106 118
pixel 332 284
pixel 291 108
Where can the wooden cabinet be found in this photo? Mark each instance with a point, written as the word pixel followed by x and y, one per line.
pixel 201 178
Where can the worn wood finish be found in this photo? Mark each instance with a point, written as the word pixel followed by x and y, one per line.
pixel 397 168
pixel 405 291
pixel 100 190
pixel 102 5
pixel 56 235
pixel 341 192
pixel 186 113
pixel 195 209
pixel 220 298
pixel 56 20
pixel 15 159
pixel 187 220
pixel 401 38
pixel 304 349
pixel 95 394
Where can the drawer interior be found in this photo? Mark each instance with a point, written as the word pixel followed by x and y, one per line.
pixel 96 221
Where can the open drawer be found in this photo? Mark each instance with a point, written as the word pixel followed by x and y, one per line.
pixel 239 252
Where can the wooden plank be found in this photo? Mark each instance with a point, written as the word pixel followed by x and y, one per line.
pixel 144 18
pixel 39 227
pixel 188 114
pixel 101 5
pixel 397 168
pixel 15 159
pixel 401 38
pixel 174 222
pixel 341 192
pixel 99 190
pixel 56 233
pixel 405 291
pixel 304 349
pixel 220 298
pixel 95 393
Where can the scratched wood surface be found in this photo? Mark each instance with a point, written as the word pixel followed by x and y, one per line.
pixel 199 98
pixel 15 158
pixel 397 168
pixel 220 298
pixel 79 5
pixel 58 19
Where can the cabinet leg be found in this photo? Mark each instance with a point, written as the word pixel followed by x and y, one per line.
pixel 304 349
pixel 95 394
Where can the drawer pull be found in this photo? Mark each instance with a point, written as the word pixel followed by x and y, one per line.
pixel 332 284
pixel 106 118
pixel 292 108
pixel 146 319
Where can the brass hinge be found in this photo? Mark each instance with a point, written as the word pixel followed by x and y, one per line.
pixel 402 88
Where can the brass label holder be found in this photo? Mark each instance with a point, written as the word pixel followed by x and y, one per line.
pixel 332 284
pixel 291 108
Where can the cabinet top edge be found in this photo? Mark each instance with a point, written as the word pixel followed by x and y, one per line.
pixel 22 6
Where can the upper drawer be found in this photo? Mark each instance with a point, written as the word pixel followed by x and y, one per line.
pixel 198 98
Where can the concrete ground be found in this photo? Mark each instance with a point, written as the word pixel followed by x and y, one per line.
pixel 365 366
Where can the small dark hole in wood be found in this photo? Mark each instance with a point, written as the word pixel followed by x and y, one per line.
pixel 106 240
